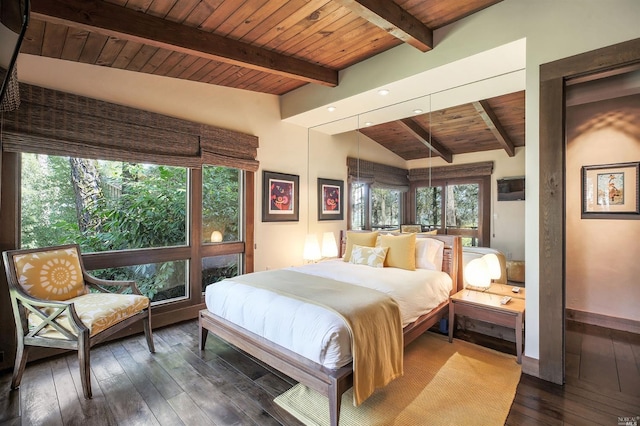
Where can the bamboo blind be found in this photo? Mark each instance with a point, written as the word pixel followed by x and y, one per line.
pixel 58 123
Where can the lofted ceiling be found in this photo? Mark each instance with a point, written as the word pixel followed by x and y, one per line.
pixel 276 46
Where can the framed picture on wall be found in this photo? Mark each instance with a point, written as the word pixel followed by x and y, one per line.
pixel 280 197
pixel 330 199
pixel 611 191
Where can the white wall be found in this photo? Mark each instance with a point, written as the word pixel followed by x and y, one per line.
pixel 602 266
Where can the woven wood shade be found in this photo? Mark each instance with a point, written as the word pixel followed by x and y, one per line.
pixel 11 97
pixel 379 175
pixel 484 168
pixel 58 123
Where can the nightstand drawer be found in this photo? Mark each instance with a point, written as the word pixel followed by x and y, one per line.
pixel 487 307
pixel 504 318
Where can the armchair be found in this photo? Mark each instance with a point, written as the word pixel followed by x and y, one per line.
pixel 57 304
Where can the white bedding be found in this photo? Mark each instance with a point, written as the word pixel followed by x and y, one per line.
pixel 314 332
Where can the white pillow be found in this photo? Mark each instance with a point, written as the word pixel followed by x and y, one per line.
pixel 429 254
pixel 371 256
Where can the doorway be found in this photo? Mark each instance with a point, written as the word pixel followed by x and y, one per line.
pixel 553 193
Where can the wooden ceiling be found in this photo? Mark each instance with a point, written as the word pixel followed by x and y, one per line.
pixel 274 46
pixel 496 123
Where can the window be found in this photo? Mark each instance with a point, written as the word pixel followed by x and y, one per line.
pixel 429 206
pixel 220 204
pixel 221 225
pixel 111 208
pixel 101 205
pixel 385 208
pixel 375 208
pixel 458 205
pixel 359 206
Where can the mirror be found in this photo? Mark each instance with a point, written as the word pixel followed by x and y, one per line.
pixel 347 138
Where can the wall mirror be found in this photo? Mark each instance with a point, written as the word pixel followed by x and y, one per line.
pixel 366 137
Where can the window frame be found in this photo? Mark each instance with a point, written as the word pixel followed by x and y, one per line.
pixel 483 233
pixel 164 312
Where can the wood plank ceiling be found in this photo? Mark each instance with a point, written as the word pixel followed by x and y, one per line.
pixel 275 46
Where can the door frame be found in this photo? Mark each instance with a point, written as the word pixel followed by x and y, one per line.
pixel 553 76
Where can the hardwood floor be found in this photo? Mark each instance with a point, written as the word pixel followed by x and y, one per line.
pixel 602 382
pixel 221 386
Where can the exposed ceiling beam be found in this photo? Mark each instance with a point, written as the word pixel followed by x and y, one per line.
pixel 127 24
pixel 426 138
pixel 492 122
pixel 395 20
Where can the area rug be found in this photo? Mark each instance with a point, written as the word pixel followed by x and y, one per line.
pixel 444 383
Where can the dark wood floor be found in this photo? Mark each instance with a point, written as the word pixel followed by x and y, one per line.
pixel 602 382
pixel 221 386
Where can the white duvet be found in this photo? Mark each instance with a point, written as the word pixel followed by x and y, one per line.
pixel 314 332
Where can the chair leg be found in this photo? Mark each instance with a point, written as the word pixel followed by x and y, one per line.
pixel 148 333
pixel 84 361
pixel 21 362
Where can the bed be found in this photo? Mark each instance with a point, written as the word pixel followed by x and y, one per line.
pixel 318 365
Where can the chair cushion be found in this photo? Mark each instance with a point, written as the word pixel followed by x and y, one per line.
pixel 97 311
pixel 50 275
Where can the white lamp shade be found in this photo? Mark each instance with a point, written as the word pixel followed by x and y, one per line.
pixel 216 237
pixel 477 273
pixel 311 248
pixel 329 246
pixel 493 265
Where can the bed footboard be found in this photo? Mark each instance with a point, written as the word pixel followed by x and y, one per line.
pixel 331 383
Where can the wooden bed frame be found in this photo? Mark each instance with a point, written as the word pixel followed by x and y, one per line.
pixel 331 383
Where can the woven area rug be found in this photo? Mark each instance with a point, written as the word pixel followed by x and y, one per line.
pixel 444 383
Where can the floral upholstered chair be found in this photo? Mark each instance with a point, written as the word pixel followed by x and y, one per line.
pixel 57 304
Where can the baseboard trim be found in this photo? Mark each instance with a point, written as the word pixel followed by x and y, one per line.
pixel 621 324
pixel 531 366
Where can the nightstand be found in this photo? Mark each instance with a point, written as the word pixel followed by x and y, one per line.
pixel 486 306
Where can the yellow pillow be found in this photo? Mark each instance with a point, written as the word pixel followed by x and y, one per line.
pixel 367 239
pixel 51 275
pixel 433 232
pixel 402 251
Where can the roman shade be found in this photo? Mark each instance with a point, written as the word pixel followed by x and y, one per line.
pixel 484 168
pixel 58 123
pixel 378 175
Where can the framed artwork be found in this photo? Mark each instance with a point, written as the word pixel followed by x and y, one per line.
pixel 611 191
pixel 330 199
pixel 280 197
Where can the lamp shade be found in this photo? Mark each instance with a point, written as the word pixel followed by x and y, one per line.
pixel 477 273
pixel 216 237
pixel 329 246
pixel 493 265
pixel 311 248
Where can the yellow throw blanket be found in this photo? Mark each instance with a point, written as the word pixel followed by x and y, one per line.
pixel 373 318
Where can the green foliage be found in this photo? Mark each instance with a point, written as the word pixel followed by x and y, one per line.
pixel 142 206
pixel 465 205
pixel 385 207
pixel 48 213
pixel 429 205
pixel 220 202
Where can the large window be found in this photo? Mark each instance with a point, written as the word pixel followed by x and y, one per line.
pixel 101 205
pixel 133 213
pixel 452 207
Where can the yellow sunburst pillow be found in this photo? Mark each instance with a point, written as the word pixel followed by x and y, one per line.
pixel 51 275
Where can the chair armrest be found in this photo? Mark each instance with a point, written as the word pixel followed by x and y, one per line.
pixel 56 309
pixel 100 284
